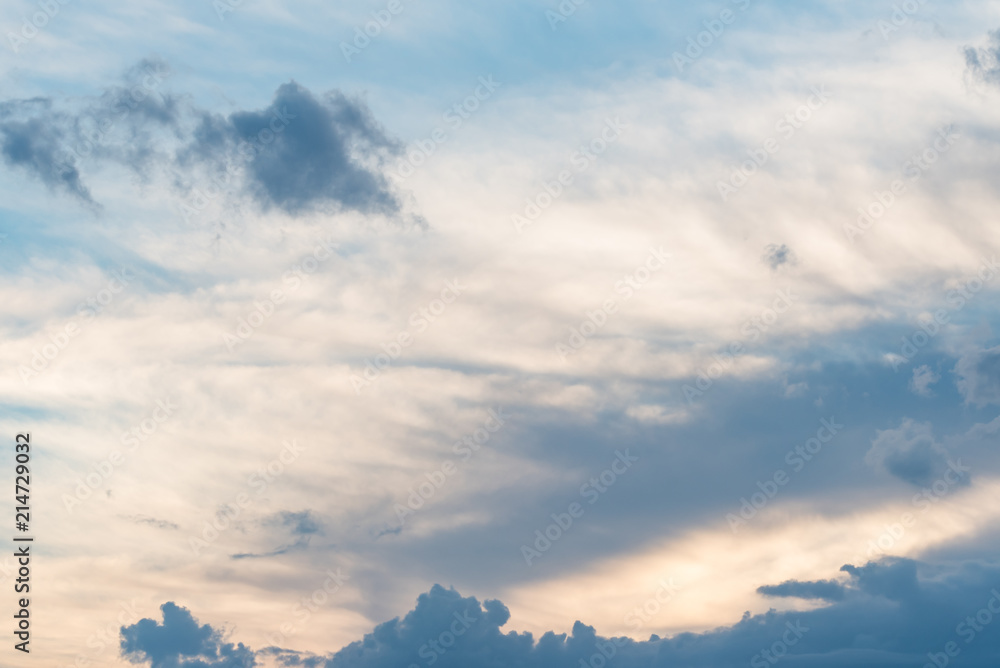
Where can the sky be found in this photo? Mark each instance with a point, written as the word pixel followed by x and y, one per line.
pixel 426 333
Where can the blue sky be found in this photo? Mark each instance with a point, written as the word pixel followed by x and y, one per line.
pixel 601 336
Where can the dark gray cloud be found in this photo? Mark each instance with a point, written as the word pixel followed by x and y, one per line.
pixel 37 147
pixel 318 153
pixel 827 590
pixel 179 642
pixel 895 612
pixel 979 376
pixel 984 62
pixel 300 153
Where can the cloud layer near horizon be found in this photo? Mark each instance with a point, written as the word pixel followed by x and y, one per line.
pixel 893 612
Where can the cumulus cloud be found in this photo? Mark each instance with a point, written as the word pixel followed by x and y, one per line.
pixel 893 612
pixel 979 376
pixel 302 152
pixel 909 452
pixel 179 642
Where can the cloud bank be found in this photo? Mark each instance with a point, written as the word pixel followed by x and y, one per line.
pixel 893 612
